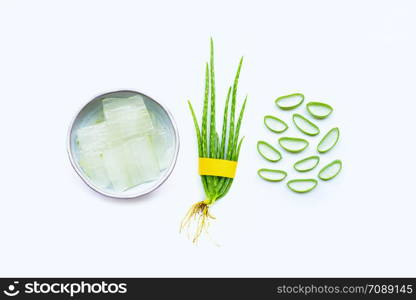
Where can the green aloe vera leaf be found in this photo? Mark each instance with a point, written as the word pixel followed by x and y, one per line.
pixel 268 152
pixel 231 131
pixel 204 133
pixel 289 102
pixel 330 170
pixel 212 126
pixel 275 124
pixel 304 125
pixel 272 175
pixel 302 185
pixel 224 126
pixel 199 141
pixel 293 145
pixel 328 141
pixel 319 110
pixel 306 164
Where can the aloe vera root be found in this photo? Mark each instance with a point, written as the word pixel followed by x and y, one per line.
pixel 199 215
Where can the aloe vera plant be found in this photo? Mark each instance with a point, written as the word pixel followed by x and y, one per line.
pixel 212 145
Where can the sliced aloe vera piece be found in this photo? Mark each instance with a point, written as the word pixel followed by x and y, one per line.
pixel 163 147
pixel 319 110
pixel 144 156
pixel 330 170
pixel 294 145
pixel 131 163
pixel 306 164
pixel 93 165
pixel 127 117
pixel 328 141
pixel 304 125
pixel 93 137
pixel 268 152
pixel 116 161
pixel 272 175
pixel 290 101
pixel 275 124
pixel 112 107
pixel 302 185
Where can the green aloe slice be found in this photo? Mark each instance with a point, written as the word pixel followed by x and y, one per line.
pixel 275 124
pixel 272 175
pixel 319 110
pixel 328 141
pixel 306 164
pixel 268 152
pixel 302 185
pixel 294 145
pixel 330 170
pixel 304 125
pixel 290 101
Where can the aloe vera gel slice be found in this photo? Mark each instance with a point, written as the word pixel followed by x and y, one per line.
pixel 331 170
pixel 306 164
pixel 143 154
pixel 163 147
pixel 328 141
pixel 304 125
pixel 268 152
pixel 93 137
pixel 302 185
pixel 289 102
pixel 319 110
pixel 116 108
pixel 272 175
pixel 131 163
pixel 121 174
pixel 127 117
pixel 275 124
pixel 294 145
pixel 93 165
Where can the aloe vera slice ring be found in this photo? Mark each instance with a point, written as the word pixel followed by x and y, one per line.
pixel 272 175
pixel 268 152
pixel 289 102
pixel 319 110
pixel 306 164
pixel 330 170
pixel 275 124
pixel 328 141
pixel 302 185
pixel 304 125
pixel 293 145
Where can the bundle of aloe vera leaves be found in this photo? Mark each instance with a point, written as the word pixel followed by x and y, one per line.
pixel 211 144
pixel 293 145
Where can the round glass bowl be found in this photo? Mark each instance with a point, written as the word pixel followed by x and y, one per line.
pixel 92 113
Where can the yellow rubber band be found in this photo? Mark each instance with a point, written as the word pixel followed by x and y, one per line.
pixel 217 167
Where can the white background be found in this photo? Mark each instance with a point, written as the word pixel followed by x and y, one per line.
pixel 359 56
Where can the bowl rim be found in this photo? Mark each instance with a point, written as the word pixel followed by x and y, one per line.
pixel 115 195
